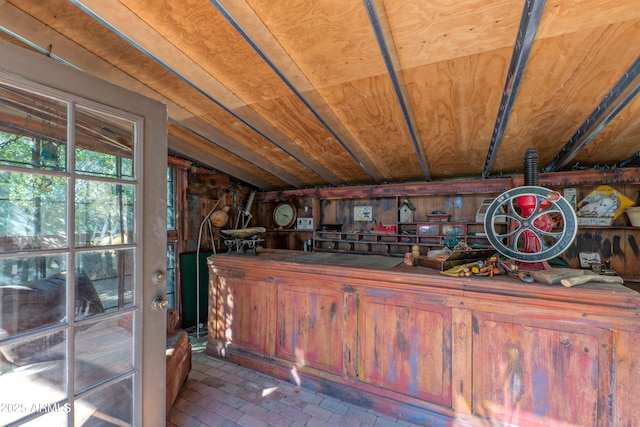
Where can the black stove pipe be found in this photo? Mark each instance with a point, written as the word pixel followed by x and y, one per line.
pixel 531 167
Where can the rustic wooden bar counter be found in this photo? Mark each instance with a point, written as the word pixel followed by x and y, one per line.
pixel 432 349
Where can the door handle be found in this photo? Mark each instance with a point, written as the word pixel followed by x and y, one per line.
pixel 159 303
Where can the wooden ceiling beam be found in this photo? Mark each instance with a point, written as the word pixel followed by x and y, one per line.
pixel 147 40
pixel 136 32
pixel 223 141
pixel 240 15
pixel 529 22
pixel 615 101
pixel 44 39
pixel 630 161
pixel 454 58
pixel 185 149
pixel 466 186
pixel 382 29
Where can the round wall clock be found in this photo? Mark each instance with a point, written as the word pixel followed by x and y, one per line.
pixel 284 215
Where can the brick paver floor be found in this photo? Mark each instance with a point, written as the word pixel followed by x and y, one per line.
pixel 219 393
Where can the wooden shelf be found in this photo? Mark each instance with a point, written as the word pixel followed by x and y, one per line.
pixel 287 238
pixel 462 201
pixel 388 243
pixel 288 230
pixel 608 227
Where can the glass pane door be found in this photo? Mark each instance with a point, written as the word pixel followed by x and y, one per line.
pixel 72 342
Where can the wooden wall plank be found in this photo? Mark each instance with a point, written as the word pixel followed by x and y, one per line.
pixel 618 244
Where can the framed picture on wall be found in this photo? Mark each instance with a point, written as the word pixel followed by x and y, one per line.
pixel 362 213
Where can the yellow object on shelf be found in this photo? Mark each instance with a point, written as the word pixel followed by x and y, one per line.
pixel 455 271
pixel 602 206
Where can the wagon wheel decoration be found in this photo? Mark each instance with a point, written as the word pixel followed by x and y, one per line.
pixel 541 224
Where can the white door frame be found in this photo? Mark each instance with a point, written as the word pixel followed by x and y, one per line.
pixel 149 393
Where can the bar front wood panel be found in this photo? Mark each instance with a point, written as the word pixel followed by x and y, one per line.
pixel 431 349
pixel 406 347
pixel 308 320
pixel 627 378
pixel 540 376
pixel 242 315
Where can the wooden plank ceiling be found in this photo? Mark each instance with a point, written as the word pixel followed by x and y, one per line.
pixel 285 94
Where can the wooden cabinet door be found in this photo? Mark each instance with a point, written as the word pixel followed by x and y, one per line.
pixel 405 346
pixel 241 312
pixel 529 373
pixel 310 327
